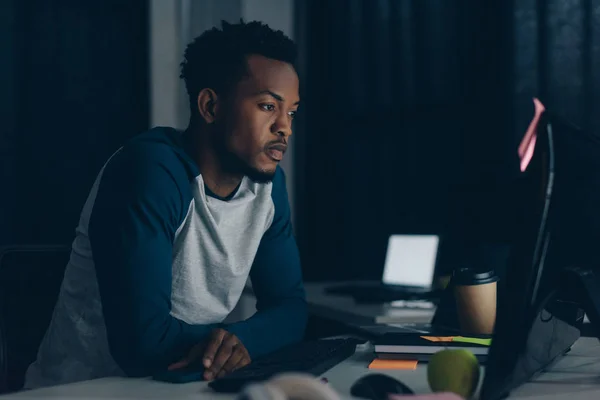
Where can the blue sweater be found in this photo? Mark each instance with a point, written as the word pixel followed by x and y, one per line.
pixel 159 261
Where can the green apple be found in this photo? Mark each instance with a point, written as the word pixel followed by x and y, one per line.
pixel 453 370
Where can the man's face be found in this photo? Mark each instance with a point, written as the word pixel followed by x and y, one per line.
pixel 257 120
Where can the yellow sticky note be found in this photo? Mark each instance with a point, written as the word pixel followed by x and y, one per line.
pixel 438 338
pixel 482 341
pixel 393 364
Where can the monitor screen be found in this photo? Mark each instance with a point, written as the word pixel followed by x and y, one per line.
pixel 410 260
pixel 516 355
pixel 539 315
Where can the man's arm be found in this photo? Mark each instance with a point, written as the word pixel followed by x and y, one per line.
pixel 277 283
pixel 137 210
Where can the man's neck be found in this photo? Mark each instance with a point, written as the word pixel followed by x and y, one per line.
pixel 198 146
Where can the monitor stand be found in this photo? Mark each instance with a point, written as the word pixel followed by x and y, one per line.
pixel 583 287
pixel 552 328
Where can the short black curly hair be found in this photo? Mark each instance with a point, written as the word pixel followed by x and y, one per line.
pixel 217 59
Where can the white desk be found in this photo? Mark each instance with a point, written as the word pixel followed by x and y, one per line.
pixel 575 377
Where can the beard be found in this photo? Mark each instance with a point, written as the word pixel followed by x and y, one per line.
pixel 234 164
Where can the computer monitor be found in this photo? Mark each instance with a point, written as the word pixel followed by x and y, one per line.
pixel 539 311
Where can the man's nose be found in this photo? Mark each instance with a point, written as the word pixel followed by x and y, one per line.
pixel 283 125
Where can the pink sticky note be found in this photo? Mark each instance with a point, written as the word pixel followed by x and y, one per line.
pixel 527 145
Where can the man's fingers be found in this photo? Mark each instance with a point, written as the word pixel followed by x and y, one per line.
pixel 213 346
pixel 179 364
pixel 236 355
pixel 245 360
pixel 221 357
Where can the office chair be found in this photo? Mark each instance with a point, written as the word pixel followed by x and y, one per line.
pixel 30 279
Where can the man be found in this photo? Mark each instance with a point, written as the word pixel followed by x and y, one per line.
pixel 176 222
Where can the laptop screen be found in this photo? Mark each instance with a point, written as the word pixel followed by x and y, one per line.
pixel 410 260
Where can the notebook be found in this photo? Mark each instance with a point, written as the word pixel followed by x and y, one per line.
pixel 408 343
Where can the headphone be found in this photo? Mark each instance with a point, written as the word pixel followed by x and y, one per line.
pixel 289 386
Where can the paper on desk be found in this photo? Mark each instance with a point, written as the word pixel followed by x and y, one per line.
pixel 413 304
pixel 482 341
pixel 395 316
pixel 431 396
pixel 438 338
pixel 393 364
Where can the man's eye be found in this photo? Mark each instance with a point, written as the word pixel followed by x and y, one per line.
pixel 292 114
pixel 267 107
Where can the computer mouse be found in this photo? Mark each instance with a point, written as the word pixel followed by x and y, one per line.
pixel 378 386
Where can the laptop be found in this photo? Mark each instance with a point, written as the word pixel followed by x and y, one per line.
pixel 408 272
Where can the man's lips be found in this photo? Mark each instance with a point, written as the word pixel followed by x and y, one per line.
pixel 276 151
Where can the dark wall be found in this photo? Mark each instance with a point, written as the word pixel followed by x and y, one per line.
pixel 413 112
pixel 75 82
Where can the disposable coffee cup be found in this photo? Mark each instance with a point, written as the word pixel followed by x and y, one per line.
pixel 475 293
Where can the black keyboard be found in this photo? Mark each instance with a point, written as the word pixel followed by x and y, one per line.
pixel 313 357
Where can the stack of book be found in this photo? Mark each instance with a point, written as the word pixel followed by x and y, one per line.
pixel 413 346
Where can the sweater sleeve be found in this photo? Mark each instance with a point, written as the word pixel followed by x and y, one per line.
pixel 276 277
pixel 140 202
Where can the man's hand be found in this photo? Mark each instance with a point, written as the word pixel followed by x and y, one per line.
pixel 222 354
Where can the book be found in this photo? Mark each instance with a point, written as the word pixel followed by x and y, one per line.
pixel 419 357
pixel 410 343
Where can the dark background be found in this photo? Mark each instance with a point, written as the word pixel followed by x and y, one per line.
pixel 74 87
pixel 412 115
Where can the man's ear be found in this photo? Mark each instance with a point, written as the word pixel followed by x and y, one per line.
pixel 207 105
